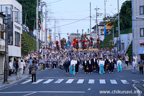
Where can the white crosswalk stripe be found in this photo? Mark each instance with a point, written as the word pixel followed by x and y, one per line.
pixel 80 81
pixel 135 81
pixel 48 81
pixel 70 81
pixel 91 81
pixel 38 81
pixel 113 81
pixel 124 81
pixel 59 80
pixel 26 81
pixel 102 81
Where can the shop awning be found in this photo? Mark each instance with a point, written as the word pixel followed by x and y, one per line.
pixel 141 50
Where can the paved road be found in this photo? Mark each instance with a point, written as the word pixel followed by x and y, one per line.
pixel 57 83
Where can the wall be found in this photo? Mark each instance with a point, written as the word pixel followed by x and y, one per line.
pixel 137 24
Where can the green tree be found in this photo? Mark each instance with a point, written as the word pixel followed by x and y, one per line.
pixel 29 11
pixel 126 15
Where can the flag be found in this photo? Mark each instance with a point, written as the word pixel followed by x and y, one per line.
pixel 104 31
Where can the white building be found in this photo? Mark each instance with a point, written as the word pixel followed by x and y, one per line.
pixel 2 43
pixel 14 26
pixel 138 27
pixel 126 40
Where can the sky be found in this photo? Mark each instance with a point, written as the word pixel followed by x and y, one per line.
pixel 65 12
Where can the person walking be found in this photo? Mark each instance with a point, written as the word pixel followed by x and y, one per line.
pixel 141 64
pixel 33 71
pixel 119 65
pixel 77 65
pixel 134 64
pixel 101 66
pixel 66 65
pixel 10 67
pixel 73 63
pixel 127 59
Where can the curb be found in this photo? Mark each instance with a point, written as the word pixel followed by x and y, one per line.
pixel 12 83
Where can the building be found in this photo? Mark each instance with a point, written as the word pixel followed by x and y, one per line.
pixel 2 43
pixel 126 40
pixel 14 27
pixel 138 27
pixel 100 30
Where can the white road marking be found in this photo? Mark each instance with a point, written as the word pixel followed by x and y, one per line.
pixel 102 81
pixel 91 81
pixel 26 81
pixel 135 81
pixel 59 80
pixel 38 81
pixel 113 81
pixel 28 92
pixel 124 81
pixel 139 92
pixel 48 81
pixel 80 81
pixel 70 81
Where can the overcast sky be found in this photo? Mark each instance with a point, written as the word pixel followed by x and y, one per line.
pixel 66 11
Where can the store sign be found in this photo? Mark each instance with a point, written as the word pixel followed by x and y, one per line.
pixel 2 45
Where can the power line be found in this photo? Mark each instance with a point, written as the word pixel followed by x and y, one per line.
pixel 71 23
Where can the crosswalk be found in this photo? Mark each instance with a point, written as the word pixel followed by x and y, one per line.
pixel 81 81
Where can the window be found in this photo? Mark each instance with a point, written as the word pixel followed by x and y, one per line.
pixel 17 39
pixel 141 32
pixel 141 10
pixel 1 32
pixel 17 15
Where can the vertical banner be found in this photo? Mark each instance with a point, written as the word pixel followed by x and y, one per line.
pixel 104 31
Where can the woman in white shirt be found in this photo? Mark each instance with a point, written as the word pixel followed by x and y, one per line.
pixel 101 66
pixel 119 65
pixel 134 64
pixel 72 66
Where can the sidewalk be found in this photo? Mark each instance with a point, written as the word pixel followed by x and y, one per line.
pixel 11 80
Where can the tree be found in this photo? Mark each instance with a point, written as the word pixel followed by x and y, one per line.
pixel 126 15
pixel 29 11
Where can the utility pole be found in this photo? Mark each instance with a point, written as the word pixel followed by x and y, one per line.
pixel 97 22
pixel 90 18
pixel 42 21
pixel 46 27
pixel 104 8
pixel 119 25
pixel 55 30
pixel 37 38
pixel 77 34
pixel 6 49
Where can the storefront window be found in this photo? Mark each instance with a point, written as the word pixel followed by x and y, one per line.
pixel 17 39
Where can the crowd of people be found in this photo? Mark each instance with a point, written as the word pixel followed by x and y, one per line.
pixel 100 61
